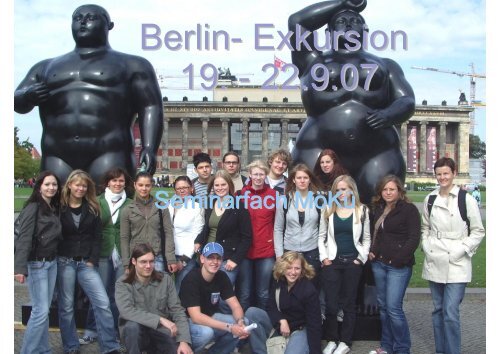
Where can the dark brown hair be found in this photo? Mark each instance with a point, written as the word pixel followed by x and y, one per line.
pixel 140 250
pixel 327 178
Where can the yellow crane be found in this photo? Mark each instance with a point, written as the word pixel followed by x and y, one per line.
pixel 472 94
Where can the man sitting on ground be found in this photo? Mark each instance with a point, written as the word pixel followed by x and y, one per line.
pixel 151 316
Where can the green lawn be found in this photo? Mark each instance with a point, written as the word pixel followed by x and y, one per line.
pixel 418 196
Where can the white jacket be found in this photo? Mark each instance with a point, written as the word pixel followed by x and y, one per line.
pixel 445 241
pixel 188 223
pixel 326 230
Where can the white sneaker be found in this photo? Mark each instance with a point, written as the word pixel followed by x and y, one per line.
pixel 330 347
pixel 342 348
pixel 378 351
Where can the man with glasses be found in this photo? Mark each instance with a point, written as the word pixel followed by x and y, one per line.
pixel 203 166
pixel 151 316
pixel 201 292
pixel 231 163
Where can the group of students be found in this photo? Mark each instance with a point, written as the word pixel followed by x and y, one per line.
pixel 283 267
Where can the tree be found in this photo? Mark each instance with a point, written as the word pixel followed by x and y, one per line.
pixel 477 148
pixel 25 166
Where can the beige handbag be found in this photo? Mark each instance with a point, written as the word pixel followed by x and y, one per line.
pixel 276 345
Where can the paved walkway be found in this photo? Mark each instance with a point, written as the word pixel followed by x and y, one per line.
pixel 417 304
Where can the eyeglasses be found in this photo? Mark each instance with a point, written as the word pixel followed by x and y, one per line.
pixel 181 188
pixel 231 162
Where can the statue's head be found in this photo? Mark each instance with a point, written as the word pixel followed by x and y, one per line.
pixel 90 25
pixel 347 20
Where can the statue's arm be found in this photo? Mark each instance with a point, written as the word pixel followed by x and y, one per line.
pixel 149 108
pixel 31 91
pixel 310 19
pixel 402 100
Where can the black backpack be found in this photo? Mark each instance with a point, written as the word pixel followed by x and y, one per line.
pixel 462 207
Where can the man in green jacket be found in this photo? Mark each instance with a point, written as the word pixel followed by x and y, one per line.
pixel 151 316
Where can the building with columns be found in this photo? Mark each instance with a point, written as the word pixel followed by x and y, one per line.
pixel 254 122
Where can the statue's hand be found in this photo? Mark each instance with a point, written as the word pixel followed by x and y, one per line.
pixel 37 93
pixel 148 158
pixel 357 5
pixel 378 119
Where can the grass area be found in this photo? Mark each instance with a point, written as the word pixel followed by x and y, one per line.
pixel 419 196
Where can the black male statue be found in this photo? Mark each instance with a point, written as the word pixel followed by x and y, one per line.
pixel 356 113
pixel 88 100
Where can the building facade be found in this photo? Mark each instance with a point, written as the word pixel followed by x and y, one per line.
pixel 254 122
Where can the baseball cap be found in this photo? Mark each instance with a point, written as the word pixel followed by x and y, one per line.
pixel 212 248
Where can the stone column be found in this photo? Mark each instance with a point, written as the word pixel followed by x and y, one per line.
pixel 265 138
pixel 164 145
pixel 463 149
pixel 225 135
pixel 244 142
pixel 403 139
pixel 284 133
pixel 184 142
pixel 204 135
pixel 423 148
pixel 442 139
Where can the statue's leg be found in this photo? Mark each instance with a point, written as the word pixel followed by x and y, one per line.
pixel 110 160
pixel 55 164
pixel 308 145
pixel 388 162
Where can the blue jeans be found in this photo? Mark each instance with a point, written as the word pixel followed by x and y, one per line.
pixel 446 316
pixel 68 272
pixel 297 343
pixel 391 284
pixel 41 283
pixel 159 264
pixel 109 275
pixel 202 335
pixel 179 276
pixel 255 277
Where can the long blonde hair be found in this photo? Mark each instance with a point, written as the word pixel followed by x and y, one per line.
pixel 288 258
pixel 351 184
pixel 90 195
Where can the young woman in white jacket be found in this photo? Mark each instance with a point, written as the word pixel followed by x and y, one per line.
pixel 344 243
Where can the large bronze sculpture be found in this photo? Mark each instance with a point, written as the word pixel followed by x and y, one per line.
pixel 88 100
pixel 355 114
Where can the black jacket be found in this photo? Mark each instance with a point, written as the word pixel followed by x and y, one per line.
pixel 84 241
pixel 300 307
pixel 48 235
pixel 234 232
pixel 398 237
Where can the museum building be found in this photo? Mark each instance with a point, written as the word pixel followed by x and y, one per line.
pixel 254 122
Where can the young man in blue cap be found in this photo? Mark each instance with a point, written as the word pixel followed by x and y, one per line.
pixel 201 292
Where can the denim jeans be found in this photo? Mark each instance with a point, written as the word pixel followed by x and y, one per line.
pixel 68 272
pixel 446 316
pixel 297 343
pixel 255 279
pixel 233 275
pixel 138 338
pixel 109 275
pixel 41 283
pixel 391 284
pixel 202 335
pixel 159 264
pixel 179 276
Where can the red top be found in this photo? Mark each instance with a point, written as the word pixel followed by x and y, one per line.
pixel 262 211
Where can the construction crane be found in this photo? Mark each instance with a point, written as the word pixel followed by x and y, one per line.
pixel 472 94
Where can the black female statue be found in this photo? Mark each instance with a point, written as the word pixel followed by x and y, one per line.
pixel 355 114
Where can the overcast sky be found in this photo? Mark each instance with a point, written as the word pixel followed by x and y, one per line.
pixel 447 35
